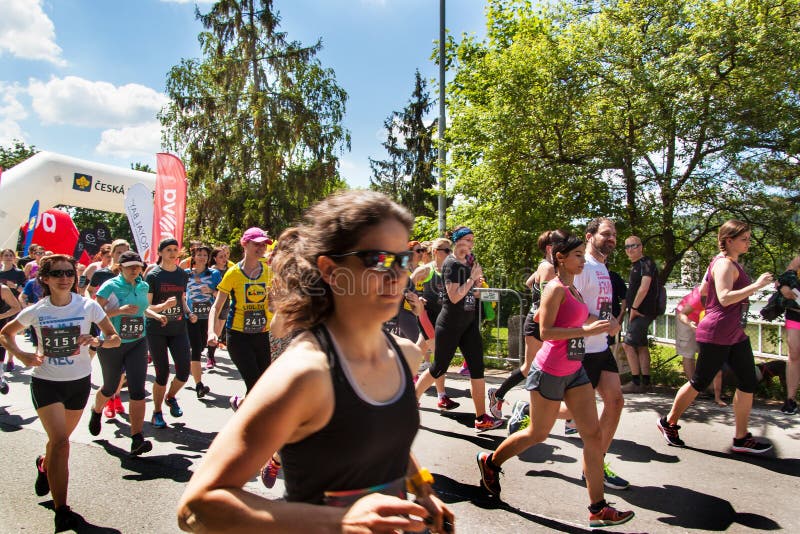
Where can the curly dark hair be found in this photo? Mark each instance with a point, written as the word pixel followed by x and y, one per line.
pixel 332 226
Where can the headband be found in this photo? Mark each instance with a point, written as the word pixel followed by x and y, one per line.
pixel 167 242
pixel 461 232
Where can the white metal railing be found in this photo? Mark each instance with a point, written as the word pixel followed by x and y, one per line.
pixel 764 346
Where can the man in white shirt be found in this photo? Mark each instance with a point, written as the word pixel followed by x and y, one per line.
pixel 594 284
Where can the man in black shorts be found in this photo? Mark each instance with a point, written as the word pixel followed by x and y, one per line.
pixel 594 284
pixel 642 301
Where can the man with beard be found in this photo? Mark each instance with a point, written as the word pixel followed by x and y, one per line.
pixel 594 284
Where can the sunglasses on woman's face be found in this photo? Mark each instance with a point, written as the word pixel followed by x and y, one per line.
pixel 379 260
pixel 61 273
pixel 419 250
pixel 445 250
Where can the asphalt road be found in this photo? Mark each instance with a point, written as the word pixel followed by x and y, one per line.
pixel 702 488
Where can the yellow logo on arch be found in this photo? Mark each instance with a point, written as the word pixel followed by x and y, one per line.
pixel 82 182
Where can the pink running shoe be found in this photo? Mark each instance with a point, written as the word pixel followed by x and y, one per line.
pixel 269 473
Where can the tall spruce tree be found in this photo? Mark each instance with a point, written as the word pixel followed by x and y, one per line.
pixel 408 173
pixel 257 121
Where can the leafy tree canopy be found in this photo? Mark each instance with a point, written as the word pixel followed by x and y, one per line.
pixel 257 121
pixel 669 116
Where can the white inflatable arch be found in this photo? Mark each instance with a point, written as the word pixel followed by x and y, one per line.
pixel 54 179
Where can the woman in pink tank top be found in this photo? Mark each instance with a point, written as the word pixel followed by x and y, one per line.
pixel 557 374
pixel 722 339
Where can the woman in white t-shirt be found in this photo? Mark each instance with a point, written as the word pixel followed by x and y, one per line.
pixel 60 383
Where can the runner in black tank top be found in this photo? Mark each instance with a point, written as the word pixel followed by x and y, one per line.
pixel 333 437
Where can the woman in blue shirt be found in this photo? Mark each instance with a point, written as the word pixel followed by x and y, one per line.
pixel 124 299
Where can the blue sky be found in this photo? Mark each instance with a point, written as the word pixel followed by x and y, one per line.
pixel 86 78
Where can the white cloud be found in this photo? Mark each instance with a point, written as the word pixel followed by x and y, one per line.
pixel 355 173
pixel 79 102
pixel 26 32
pixel 188 1
pixel 11 111
pixel 131 142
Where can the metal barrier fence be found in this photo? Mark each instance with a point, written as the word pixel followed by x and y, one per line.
pixel 766 337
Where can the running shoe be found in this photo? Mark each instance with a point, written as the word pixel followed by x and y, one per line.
pixel 118 406
pixel 109 411
pixel 609 516
pixel 570 429
pixel 495 404
pixel 42 486
pixel 269 473
pixel 670 433
pixel 750 445
pixel 139 445
pixel 610 479
pixel 235 401
pixel 464 371
pixel 9 366
pixel 211 362
pixel 487 422
pixel 158 420
pixel 3 385
pixel 789 407
pixel 518 414
pixel 490 477
pixel 66 519
pixel 174 408
pixel 201 390
pixel 94 422
pixel 445 403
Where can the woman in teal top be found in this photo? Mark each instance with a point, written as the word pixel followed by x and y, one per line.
pixel 124 299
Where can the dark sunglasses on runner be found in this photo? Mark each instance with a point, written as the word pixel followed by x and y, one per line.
pixel 62 273
pixel 445 250
pixel 380 260
pixel 419 250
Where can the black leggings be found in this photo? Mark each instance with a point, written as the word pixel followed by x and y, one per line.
pixel 129 356
pixel 250 354
pixel 465 337
pixel 739 357
pixel 516 377
pixel 3 322
pixel 179 348
pixel 198 337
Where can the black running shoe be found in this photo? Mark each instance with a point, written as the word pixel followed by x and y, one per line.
pixel 490 477
pixel 42 486
pixel 789 407
pixel 750 445
pixel 94 422
pixel 670 433
pixel 139 445
pixel 66 519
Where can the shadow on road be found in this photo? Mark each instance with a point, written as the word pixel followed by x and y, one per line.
pixel 84 527
pixel 151 467
pixel 12 422
pixel 768 460
pixel 452 491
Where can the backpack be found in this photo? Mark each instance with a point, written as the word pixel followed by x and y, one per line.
pixel 661 299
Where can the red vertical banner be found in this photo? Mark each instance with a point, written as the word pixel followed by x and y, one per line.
pixel 169 212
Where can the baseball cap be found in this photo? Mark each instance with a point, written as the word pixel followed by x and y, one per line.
pixel 130 258
pixel 255 234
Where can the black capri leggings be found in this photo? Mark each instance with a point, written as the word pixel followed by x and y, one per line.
pixel 129 356
pixel 198 337
pixel 739 357
pixel 179 349
pixel 465 337
pixel 250 354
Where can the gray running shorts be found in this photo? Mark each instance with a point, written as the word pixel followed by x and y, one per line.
pixel 552 387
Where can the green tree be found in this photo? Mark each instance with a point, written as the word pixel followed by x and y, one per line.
pixel 16 153
pixel 257 121
pixel 408 174
pixel 670 116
